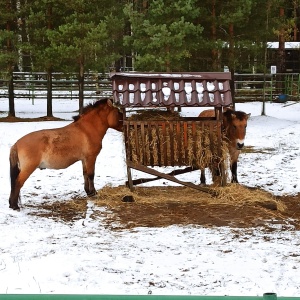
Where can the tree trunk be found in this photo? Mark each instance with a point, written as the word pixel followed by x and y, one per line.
pixel 49 93
pixel 81 84
pixel 281 57
pixel 11 98
pixel 263 110
pixel 296 17
pixel 168 63
pixel 231 61
pixel 215 63
pixel 281 49
pixel 49 69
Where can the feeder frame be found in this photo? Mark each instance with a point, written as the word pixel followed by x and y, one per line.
pixel 169 90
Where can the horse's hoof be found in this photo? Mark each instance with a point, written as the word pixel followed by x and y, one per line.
pixel 92 194
pixel 15 207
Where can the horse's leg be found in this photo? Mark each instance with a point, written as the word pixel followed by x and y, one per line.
pixel 15 196
pixel 234 172
pixel 19 173
pixel 16 185
pixel 88 167
pixel 14 174
pixel 234 155
pixel 202 177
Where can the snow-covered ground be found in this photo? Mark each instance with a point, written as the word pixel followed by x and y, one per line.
pixel 40 255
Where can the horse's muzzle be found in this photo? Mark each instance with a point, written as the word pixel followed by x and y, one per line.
pixel 239 146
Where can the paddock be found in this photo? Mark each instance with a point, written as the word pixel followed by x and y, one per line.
pixel 77 253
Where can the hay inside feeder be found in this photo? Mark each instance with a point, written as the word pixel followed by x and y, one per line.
pixel 155 114
pixel 162 138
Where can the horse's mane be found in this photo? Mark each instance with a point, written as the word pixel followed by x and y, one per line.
pixel 90 107
pixel 239 114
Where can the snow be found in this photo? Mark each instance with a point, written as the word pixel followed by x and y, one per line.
pixel 154 75
pixel 41 255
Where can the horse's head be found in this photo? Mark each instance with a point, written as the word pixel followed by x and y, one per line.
pixel 235 124
pixel 115 117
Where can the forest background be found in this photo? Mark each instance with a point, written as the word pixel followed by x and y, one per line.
pixel 157 35
pixel 145 35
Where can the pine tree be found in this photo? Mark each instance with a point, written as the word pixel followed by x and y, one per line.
pixel 163 34
pixel 9 46
pixel 82 41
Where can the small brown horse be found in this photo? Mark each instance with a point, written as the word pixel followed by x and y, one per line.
pixel 234 127
pixel 59 148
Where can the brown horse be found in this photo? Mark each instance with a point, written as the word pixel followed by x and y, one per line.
pixel 234 128
pixel 59 148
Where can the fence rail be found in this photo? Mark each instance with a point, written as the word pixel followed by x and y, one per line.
pixel 34 85
pixel 248 87
pixel 269 87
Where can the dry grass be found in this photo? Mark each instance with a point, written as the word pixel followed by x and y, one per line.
pixel 237 194
pixel 233 195
pixel 155 114
pixel 163 138
pixel 234 206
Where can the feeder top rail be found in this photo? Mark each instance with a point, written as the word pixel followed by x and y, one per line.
pixel 172 89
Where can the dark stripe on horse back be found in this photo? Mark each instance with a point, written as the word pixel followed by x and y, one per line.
pixel 239 114
pixel 90 106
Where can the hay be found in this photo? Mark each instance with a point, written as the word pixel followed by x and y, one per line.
pixel 237 194
pixel 174 143
pixel 155 114
pixel 156 137
pixel 232 195
pixel 235 206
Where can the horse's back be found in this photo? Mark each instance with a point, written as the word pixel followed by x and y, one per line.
pixel 207 113
pixel 50 148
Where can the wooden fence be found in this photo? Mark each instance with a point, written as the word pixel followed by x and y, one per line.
pixel 34 86
pixel 269 87
pixel 248 87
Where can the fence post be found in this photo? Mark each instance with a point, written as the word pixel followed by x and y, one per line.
pixel 31 87
pixel 71 89
pixel 289 79
pixel 271 89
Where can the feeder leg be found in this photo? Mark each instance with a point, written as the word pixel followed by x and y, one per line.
pixel 223 174
pixel 130 183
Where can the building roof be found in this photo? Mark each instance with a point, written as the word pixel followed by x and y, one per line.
pixel 287 45
pixel 172 89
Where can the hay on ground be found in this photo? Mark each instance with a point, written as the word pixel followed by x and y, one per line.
pixel 231 195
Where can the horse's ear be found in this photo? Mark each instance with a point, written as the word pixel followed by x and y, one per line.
pixel 228 108
pixel 233 116
pixel 248 116
pixel 109 102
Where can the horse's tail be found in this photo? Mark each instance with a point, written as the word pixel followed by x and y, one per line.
pixel 14 166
